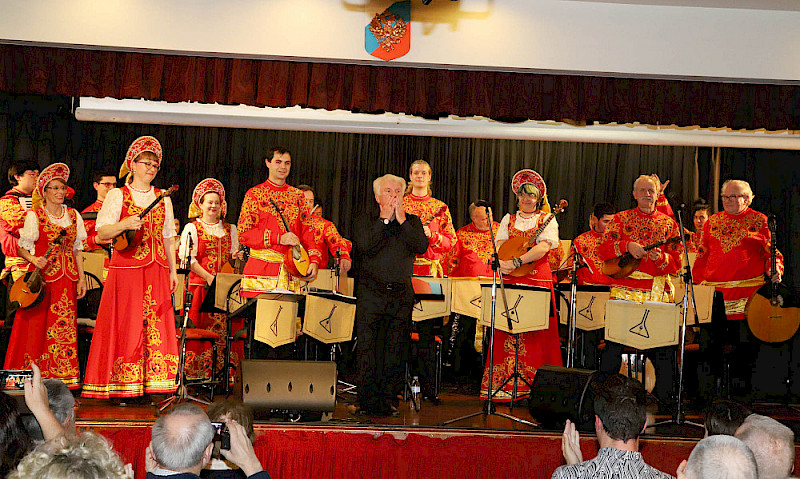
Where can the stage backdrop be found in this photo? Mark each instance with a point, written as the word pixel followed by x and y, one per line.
pixel 342 166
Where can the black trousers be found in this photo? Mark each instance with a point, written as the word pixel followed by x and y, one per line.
pixel 383 328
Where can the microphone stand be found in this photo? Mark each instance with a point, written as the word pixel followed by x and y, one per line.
pixel 678 418
pixel 577 258
pixel 489 409
pixel 181 391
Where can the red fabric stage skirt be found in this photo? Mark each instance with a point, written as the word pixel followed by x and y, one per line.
pixel 47 334
pixel 134 349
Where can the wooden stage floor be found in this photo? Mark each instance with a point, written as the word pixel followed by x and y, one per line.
pixel 454 404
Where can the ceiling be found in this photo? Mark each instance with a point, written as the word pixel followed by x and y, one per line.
pixel 788 5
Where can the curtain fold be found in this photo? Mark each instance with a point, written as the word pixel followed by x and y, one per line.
pixel 340 166
pixel 427 92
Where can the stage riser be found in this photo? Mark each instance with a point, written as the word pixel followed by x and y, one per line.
pixel 334 452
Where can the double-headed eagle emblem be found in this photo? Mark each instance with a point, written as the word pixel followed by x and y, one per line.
pixel 388 29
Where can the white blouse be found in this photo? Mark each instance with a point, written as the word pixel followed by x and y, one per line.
pixel 550 233
pixel 111 211
pixel 216 230
pixel 29 233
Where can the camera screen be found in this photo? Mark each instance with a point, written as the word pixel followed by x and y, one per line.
pixel 218 426
pixel 13 380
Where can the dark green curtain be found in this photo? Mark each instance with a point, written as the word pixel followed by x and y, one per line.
pixel 340 166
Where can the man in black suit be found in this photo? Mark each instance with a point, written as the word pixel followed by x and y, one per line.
pixel 385 246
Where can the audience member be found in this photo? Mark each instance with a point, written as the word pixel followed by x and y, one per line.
pixel 620 416
pixel 724 417
pixel 226 411
pixel 719 457
pixel 87 456
pixel 61 403
pixel 14 439
pixel 772 444
pixel 183 440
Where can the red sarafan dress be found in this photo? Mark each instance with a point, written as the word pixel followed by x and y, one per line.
pixel 47 333
pixel 213 245
pixel 536 348
pixel 134 349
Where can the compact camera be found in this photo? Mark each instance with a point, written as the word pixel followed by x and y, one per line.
pixel 222 435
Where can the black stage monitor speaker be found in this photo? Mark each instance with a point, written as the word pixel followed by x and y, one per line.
pixel 276 387
pixel 558 394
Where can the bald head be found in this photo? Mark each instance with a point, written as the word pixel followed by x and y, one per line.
pixel 721 457
pixel 182 438
pixel 772 444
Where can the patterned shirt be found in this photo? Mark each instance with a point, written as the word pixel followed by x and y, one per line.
pixel 611 463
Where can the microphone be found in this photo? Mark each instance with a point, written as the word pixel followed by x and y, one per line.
pixel 483 203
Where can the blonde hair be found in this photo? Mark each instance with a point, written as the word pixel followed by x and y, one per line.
pixel 87 456
pixel 411 168
pixel 376 185
pixel 740 183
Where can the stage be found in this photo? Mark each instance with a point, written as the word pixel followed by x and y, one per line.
pixel 413 444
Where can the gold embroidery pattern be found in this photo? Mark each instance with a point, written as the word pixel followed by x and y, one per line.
pixel 126 373
pixel 12 212
pixel 257 210
pixel 217 250
pixel 426 208
pixel 502 371
pixel 587 244
pixel 478 241
pixel 159 365
pixel 62 337
pixel 730 231
pixel 63 259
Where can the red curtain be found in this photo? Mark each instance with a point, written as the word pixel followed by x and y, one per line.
pixel 427 92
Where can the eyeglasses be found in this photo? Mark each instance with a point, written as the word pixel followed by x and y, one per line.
pixel 110 184
pixel 56 188
pixel 733 197
pixel 150 166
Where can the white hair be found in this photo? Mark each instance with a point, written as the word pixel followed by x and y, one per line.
pixel 378 183
pixel 772 444
pixel 648 178
pixel 720 457
pixel 742 184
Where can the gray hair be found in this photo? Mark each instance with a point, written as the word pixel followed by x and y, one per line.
pixel 61 402
pixel 742 184
pixel 648 178
pixel 772 444
pixel 720 457
pixel 378 183
pixel 88 456
pixel 181 447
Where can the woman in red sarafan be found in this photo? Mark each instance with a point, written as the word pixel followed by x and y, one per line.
pixel 536 348
pixel 47 332
pixel 134 349
pixel 214 242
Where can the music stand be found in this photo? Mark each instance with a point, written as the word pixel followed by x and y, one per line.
pixel 678 418
pixel 489 409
